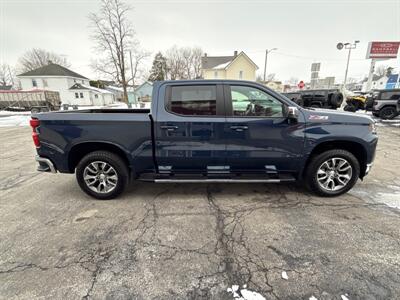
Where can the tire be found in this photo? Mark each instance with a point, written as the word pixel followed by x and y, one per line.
pixel 315 105
pixel 96 164
pixel 314 180
pixel 336 100
pixel 388 113
pixel 375 114
pixel 350 107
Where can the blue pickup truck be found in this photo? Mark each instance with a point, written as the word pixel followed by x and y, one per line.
pixel 207 131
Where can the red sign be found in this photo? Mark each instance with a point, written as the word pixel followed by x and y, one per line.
pixel 383 49
pixel 301 84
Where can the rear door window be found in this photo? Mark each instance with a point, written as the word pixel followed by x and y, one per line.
pixel 193 100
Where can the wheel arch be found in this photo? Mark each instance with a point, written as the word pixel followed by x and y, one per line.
pixel 355 148
pixel 78 151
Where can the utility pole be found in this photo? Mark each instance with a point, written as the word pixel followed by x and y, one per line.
pixel 133 82
pixel 266 58
pixel 348 46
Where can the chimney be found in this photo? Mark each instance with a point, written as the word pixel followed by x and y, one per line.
pixel 235 53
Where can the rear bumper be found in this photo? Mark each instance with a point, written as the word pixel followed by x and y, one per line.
pixel 45 165
pixel 368 168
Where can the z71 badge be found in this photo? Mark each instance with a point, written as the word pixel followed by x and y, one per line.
pixel 319 118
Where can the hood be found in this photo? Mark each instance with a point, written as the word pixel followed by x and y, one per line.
pixel 336 116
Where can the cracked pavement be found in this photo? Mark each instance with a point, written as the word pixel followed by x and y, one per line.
pixel 193 241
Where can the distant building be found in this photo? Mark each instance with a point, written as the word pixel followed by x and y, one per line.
pixel 274 85
pixel 141 94
pixel 378 82
pixel 393 82
pixel 117 91
pixel 53 77
pixel 88 95
pixel 238 66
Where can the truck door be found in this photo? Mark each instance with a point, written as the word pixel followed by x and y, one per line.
pixel 190 127
pixel 258 135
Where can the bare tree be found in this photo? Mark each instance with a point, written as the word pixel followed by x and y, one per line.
pixel 113 35
pixel 197 52
pixel 36 58
pixel 271 77
pixel 138 56
pixel 184 62
pixel 381 70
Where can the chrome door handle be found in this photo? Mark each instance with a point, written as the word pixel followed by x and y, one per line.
pixel 239 127
pixel 169 127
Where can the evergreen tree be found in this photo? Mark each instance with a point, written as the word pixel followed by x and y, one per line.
pixel 159 69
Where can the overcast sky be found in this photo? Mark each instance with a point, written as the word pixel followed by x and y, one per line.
pixel 303 31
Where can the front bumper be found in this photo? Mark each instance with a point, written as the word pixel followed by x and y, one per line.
pixel 45 165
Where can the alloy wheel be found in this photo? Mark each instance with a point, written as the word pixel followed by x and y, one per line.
pixel 334 174
pixel 100 177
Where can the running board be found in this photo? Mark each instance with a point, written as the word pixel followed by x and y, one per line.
pixel 221 180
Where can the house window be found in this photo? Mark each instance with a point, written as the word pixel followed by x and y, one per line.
pixel 45 83
pixel 240 74
pixel 83 81
pixel 76 95
pixel 96 96
pixel 34 83
pixel 216 74
pixel 81 94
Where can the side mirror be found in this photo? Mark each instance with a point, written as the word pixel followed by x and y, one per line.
pixel 292 113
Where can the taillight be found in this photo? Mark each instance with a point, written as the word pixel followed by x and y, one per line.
pixel 35 123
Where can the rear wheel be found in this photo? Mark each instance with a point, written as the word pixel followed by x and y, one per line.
pixel 350 107
pixel 388 112
pixel 332 173
pixel 102 175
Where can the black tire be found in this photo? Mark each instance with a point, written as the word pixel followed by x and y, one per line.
pixel 317 161
pixel 375 114
pixel 315 105
pixel 113 160
pixel 335 100
pixel 388 113
pixel 350 107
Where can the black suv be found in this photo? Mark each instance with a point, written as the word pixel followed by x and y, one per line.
pixel 329 98
pixel 385 103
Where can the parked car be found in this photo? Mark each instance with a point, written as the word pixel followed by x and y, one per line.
pixel 386 103
pixel 35 100
pixel 207 131
pixel 329 98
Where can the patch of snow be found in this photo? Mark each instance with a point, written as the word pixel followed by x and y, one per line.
pixel 284 275
pixel 16 120
pixel 312 298
pixel 344 297
pixel 244 293
pixel 222 66
pixel 390 199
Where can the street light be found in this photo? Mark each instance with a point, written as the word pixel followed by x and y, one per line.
pixel 266 58
pixel 349 46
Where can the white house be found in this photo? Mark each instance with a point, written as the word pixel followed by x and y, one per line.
pixel 55 78
pixel 378 83
pixel 83 94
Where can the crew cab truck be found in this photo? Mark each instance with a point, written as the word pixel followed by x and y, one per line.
pixel 207 131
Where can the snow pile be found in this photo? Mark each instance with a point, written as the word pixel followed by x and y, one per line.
pixel 15 120
pixel 244 293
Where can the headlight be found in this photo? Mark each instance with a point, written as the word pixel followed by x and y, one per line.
pixel 372 127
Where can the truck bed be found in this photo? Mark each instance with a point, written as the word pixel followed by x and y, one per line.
pixel 130 130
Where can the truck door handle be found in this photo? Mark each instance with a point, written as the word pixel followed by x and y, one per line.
pixel 239 128
pixel 169 127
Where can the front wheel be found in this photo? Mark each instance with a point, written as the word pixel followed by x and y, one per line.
pixel 388 112
pixel 102 175
pixel 332 173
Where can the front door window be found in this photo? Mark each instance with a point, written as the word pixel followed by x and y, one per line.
pixel 251 102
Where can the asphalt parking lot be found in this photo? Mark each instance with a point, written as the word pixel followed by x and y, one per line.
pixel 174 241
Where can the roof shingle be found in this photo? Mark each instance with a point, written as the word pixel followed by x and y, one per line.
pixel 53 70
